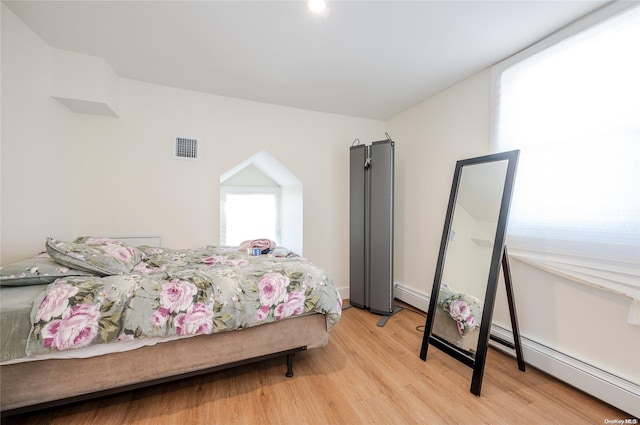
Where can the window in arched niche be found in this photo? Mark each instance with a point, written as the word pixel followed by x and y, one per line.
pixel 260 198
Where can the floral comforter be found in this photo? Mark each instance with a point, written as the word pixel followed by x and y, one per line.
pixel 179 293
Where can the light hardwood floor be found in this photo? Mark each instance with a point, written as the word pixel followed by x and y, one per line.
pixel 366 375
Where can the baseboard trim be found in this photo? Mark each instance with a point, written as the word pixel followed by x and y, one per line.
pixel 344 293
pixel 612 389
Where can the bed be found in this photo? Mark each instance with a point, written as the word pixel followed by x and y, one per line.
pixel 97 316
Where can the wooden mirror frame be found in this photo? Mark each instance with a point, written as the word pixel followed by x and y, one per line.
pixel 498 258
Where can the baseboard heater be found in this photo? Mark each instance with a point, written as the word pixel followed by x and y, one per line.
pixel 603 385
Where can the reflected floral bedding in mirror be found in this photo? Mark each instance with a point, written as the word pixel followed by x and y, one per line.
pixel 464 309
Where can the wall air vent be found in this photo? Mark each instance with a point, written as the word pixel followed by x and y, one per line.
pixel 185 148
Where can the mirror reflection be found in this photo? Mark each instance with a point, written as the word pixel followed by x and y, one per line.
pixel 468 254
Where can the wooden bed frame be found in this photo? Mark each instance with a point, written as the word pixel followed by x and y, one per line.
pixel 46 383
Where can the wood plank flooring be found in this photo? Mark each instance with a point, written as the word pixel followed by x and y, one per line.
pixel 366 375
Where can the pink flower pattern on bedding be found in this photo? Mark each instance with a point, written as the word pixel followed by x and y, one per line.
pixel 273 288
pixel 179 293
pixel 76 328
pixel 196 320
pixel 56 302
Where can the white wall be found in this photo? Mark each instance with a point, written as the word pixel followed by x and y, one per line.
pixel 37 147
pixel 67 174
pixel 567 317
pixel 430 138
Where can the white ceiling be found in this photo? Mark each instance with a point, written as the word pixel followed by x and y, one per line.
pixel 370 59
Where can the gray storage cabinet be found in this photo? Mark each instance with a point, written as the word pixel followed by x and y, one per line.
pixel 371 226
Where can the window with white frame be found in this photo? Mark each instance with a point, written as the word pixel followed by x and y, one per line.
pixel 249 213
pixel 573 110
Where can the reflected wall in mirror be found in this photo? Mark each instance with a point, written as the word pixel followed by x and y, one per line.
pixel 469 261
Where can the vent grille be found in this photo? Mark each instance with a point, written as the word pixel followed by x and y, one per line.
pixel 185 148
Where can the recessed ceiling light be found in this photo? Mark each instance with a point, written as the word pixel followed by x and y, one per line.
pixel 316 6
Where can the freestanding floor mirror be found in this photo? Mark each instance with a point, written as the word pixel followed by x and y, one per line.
pixel 472 252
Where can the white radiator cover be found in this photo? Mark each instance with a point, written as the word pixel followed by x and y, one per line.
pixel 612 389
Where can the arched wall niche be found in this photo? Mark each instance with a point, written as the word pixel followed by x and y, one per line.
pixel 290 195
